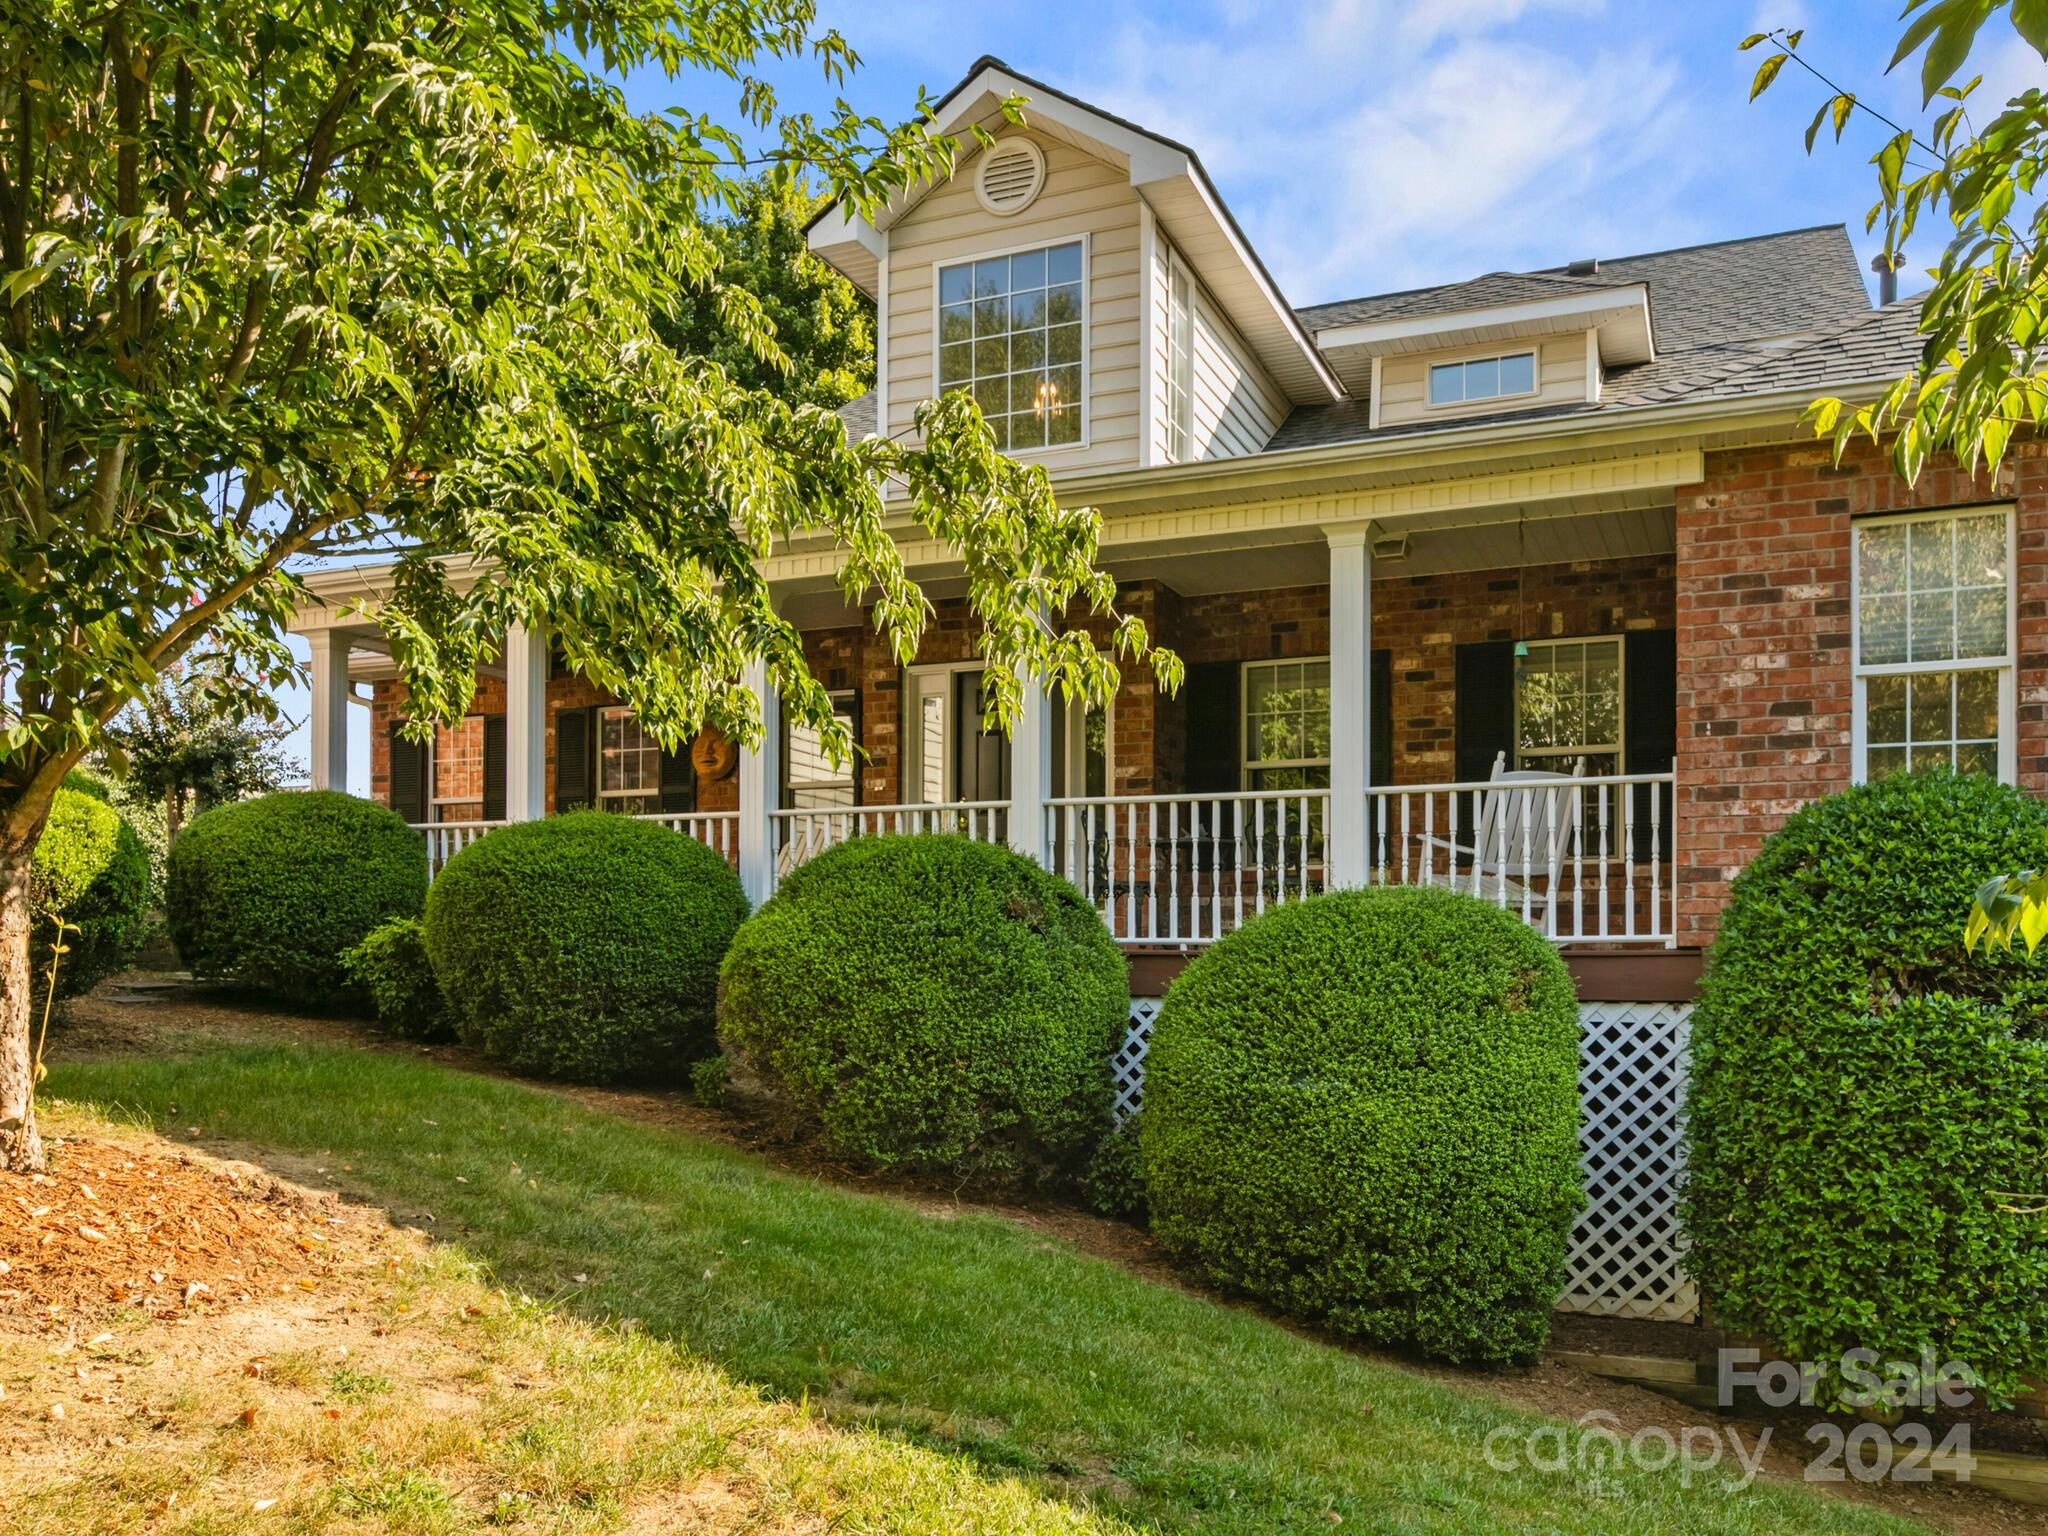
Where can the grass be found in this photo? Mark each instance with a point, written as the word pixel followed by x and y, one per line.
pixel 955 1352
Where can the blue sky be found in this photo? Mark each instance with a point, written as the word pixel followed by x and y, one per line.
pixel 1368 145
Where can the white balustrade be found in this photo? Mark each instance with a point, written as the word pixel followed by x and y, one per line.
pixel 801 835
pixel 717 830
pixel 445 839
pixel 1186 869
pixel 1584 860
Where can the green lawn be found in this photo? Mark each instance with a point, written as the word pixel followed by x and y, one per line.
pixel 971 1336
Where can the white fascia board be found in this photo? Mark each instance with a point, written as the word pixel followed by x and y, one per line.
pixel 1370 335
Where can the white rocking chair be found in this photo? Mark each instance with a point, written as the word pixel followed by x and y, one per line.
pixel 1521 834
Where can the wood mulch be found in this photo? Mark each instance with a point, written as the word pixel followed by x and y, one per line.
pixel 113 1227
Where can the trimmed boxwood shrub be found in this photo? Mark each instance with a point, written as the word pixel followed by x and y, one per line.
pixel 1363 1109
pixel 272 892
pixel 585 946
pixel 1868 1100
pixel 89 869
pixel 930 1004
pixel 391 966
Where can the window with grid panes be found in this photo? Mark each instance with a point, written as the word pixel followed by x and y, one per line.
pixel 1010 333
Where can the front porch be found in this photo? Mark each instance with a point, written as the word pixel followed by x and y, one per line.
pixel 1358 710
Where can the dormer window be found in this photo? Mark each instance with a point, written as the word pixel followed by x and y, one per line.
pixel 1011 333
pixel 1482 378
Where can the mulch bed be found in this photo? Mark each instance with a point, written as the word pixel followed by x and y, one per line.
pixel 112 1227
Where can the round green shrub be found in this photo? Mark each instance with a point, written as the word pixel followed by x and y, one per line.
pixel 91 870
pixel 930 1004
pixel 1363 1108
pixel 1868 1100
pixel 272 892
pixel 585 946
pixel 391 965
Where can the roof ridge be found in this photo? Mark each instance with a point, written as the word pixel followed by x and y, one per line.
pixel 1558 273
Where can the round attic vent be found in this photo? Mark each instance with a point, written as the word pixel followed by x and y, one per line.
pixel 1010 176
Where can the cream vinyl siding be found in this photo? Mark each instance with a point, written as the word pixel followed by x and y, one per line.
pixel 1560 379
pixel 1081 197
pixel 1237 406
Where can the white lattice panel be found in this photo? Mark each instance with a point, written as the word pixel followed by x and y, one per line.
pixel 1127 1066
pixel 1624 1255
pixel 1624 1259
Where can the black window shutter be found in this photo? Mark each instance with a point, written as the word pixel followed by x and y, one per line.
pixel 1210 694
pixel 575 772
pixel 1382 722
pixel 494 767
pixel 678 781
pixel 1649 725
pixel 1484 708
pixel 408 777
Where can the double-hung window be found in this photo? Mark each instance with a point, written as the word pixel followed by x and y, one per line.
pixel 810 779
pixel 1933 643
pixel 1568 705
pixel 628 763
pixel 1011 335
pixel 1286 732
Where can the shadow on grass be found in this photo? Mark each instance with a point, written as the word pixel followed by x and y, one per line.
pixel 967 1333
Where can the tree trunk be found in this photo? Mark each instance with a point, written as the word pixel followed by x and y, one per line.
pixel 174 813
pixel 21 1148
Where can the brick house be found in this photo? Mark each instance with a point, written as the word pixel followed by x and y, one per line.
pixel 1534 583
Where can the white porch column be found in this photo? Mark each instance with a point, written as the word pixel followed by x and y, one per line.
pixel 760 776
pixel 526 723
pixel 1030 771
pixel 1348 845
pixel 330 708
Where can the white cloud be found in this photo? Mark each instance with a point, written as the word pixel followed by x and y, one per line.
pixel 1377 145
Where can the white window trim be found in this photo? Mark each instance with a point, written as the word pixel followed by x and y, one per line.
pixel 1534 354
pixel 1043 243
pixel 1180 279
pixel 787 789
pixel 1619 746
pixel 604 713
pixel 1247 765
pixel 2006 666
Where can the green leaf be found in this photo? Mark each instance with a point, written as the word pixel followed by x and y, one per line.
pixel 1766 72
pixel 2030 20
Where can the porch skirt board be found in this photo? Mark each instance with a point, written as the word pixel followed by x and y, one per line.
pixel 1624 1255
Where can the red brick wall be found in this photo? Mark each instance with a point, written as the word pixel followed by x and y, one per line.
pixel 563 692
pixel 1764 682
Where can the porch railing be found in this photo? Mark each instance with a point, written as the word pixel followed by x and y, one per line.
pixel 445 839
pixel 1584 861
pixel 1587 860
pixel 1187 869
pixel 801 835
pixel 717 830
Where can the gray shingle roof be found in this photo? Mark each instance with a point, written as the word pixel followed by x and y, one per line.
pixel 1741 317
pixel 859 416
pixel 1448 298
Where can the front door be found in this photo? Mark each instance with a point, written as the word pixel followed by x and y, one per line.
pixel 947 756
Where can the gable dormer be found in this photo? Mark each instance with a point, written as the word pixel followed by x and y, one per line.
pixel 1505 342
pixel 1083 281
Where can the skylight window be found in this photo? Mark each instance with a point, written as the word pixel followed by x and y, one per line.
pixel 1482 378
